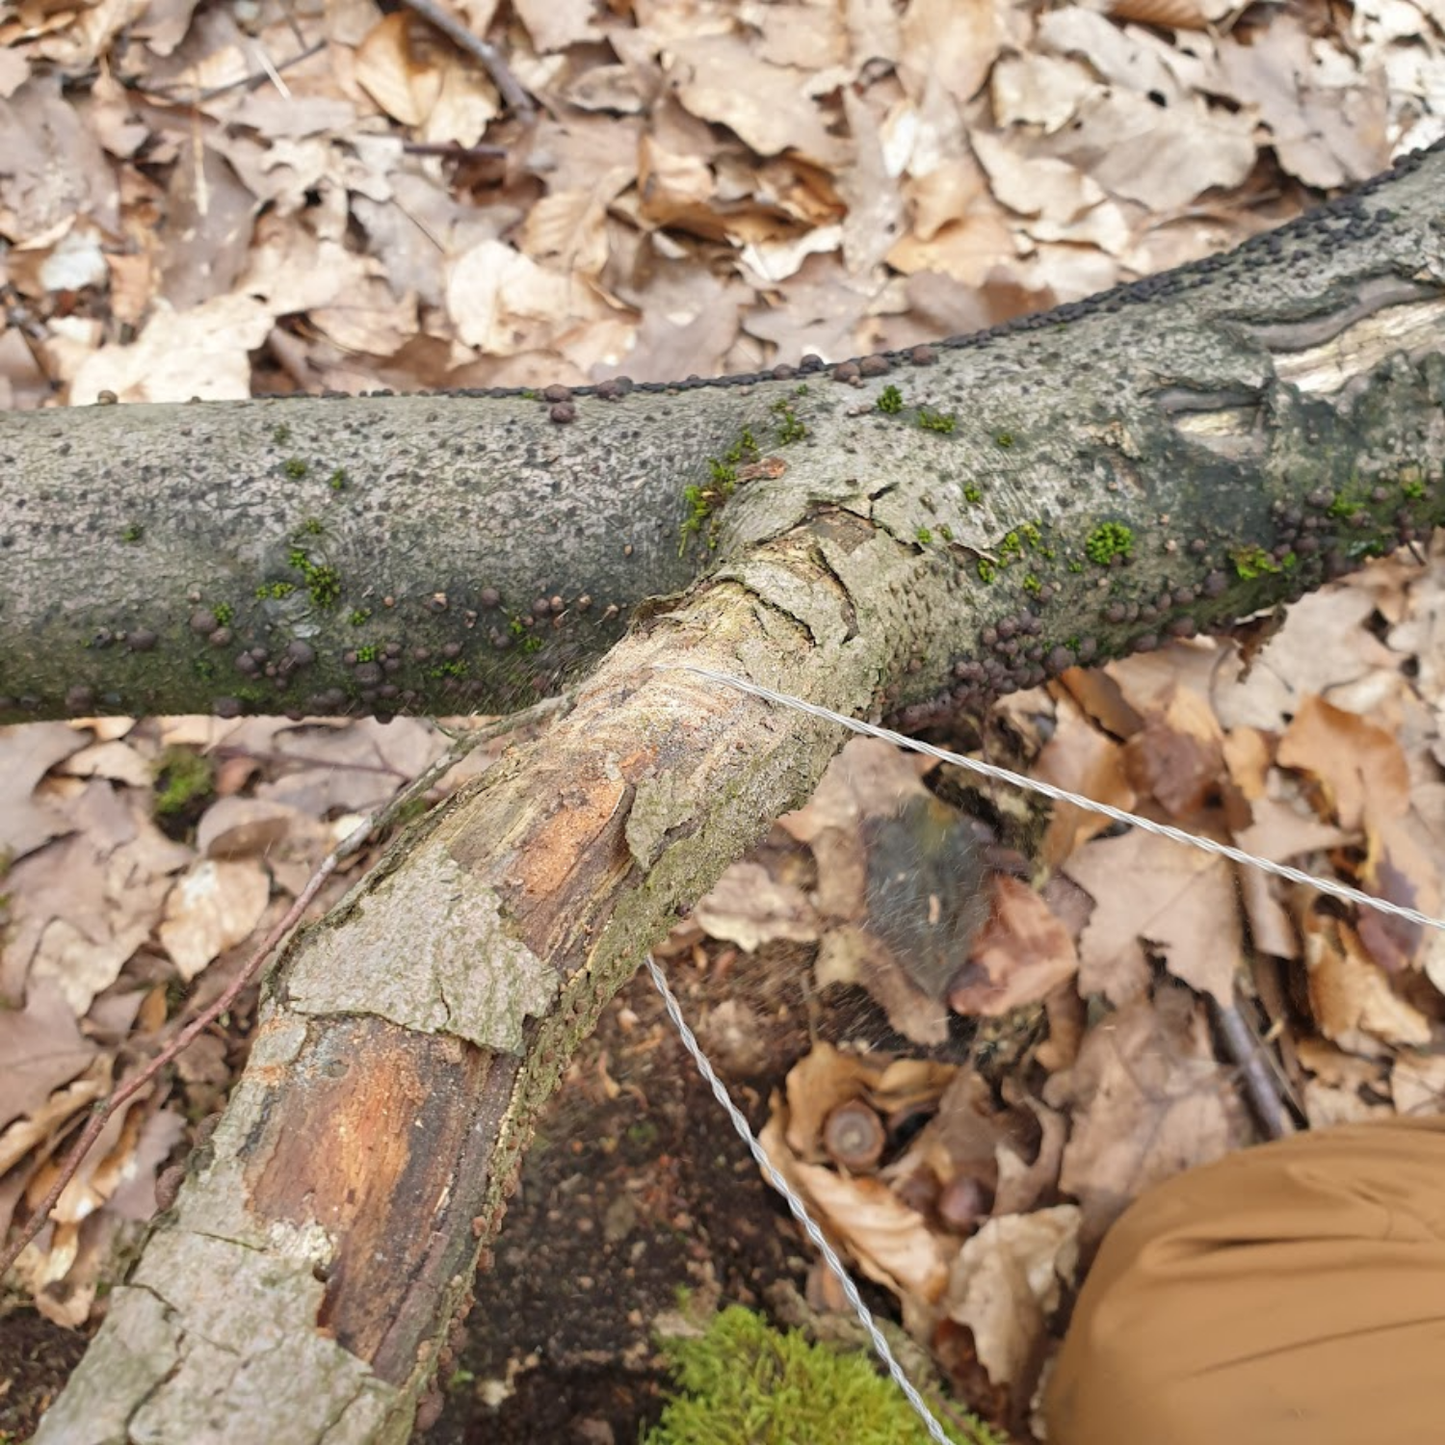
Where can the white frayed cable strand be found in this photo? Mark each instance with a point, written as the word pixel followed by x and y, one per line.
pixel 796 1207
pixel 1062 795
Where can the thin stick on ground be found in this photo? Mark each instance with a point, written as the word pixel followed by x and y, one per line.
pixel 1258 1080
pixel 490 57
pixel 104 1110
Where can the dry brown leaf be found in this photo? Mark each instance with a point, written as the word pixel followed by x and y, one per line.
pixel 1005 1283
pixel 1359 765
pixel 1038 90
pixel 1022 955
pixel 1166 14
pixel 967 249
pixel 568 228
pixel 950 44
pixel 1282 830
pixel 1022 1183
pixel 40 1049
pixel 54 166
pixel 235 827
pixel 1035 185
pixel 82 906
pixel 826 1077
pixel 1248 753
pixel 1178 755
pixel 1149 1101
pixel 869 777
pixel 27 753
pixel 1182 901
pixel 504 303
pixel 718 78
pixel 1083 760
pixel 1321 649
pixel 890 1241
pixel 1350 994
pixel 1326 134
pixel 115 760
pixel 214 907
pixel 748 907
pixel 1417 1084
pixel 556 24
pixel 203 352
pixel 424 83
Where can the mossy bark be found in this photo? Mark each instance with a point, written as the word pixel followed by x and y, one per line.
pixel 1152 463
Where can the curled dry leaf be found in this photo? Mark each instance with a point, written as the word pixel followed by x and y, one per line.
pixel 1021 956
pixel 1006 1282
pixel 889 1240
pixel 1350 994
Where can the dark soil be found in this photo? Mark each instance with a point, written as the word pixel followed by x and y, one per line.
pixel 636 1188
pixel 36 1358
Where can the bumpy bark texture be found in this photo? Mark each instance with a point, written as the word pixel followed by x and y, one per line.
pixel 949 524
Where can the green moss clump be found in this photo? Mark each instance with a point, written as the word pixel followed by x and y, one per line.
pixel 182 776
pixel 1107 541
pixel 972 495
pixel 1252 562
pixel 367 653
pixel 1003 439
pixel 745 449
pixel 946 532
pixel 133 532
pixel 745 1383
pixel 337 480
pixel 281 434
pixel 359 615
pixel 987 571
pixel 323 583
pixel 939 421
pixel 274 591
pixel 890 400
pixel 790 429
pixel 294 468
pixel 924 535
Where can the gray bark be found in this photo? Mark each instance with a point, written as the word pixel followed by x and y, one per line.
pixel 1148 464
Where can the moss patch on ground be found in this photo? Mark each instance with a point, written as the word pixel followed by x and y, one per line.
pixel 745 1383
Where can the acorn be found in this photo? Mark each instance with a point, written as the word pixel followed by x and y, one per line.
pixel 853 1136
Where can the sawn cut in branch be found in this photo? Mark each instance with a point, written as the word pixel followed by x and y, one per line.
pixel 949 524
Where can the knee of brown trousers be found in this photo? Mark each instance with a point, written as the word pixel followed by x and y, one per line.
pixel 1290 1294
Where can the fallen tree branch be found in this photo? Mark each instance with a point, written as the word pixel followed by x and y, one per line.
pixel 946 525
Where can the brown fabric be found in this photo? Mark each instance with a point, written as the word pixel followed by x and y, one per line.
pixel 1292 1294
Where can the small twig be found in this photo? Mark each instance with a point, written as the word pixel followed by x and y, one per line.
pixel 450 150
pixel 247 82
pixel 105 1110
pixel 1260 1087
pixel 490 57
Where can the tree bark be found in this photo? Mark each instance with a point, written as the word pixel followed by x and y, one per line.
pixel 945 525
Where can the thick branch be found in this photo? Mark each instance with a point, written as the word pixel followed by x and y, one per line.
pixel 1147 465
pixel 423 552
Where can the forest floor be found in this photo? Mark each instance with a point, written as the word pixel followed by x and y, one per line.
pixel 228 200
